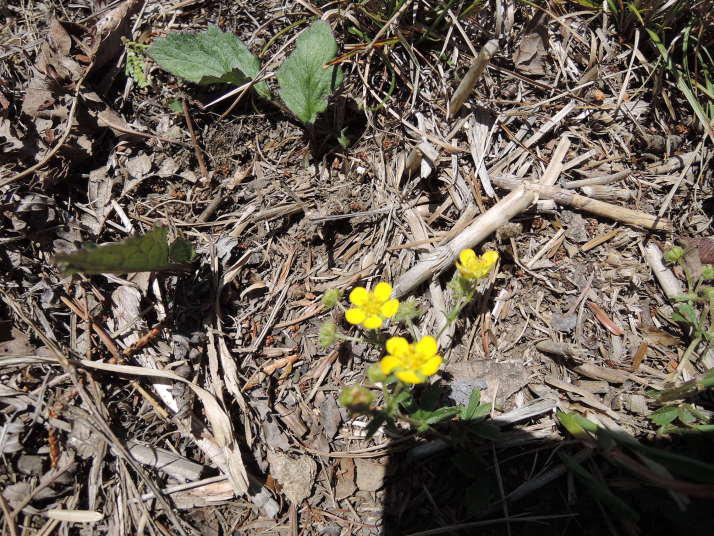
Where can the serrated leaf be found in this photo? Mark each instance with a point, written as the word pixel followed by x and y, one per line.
pixel 305 84
pixel 208 57
pixel 147 253
pixel 438 415
pixel 470 410
pixel 486 430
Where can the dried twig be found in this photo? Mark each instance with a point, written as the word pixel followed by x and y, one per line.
pixel 594 206
pixel 472 76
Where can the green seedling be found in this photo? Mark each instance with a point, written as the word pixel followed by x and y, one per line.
pixel 147 253
pixel 213 56
pixel 136 67
pixel 680 418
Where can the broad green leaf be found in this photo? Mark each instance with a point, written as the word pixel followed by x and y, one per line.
pixel 485 430
pixel 208 57
pixel 147 253
pixel 438 415
pixel 305 84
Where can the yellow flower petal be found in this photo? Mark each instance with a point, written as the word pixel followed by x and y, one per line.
pixel 383 291
pixel 491 257
pixel 397 346
pixel 372 322
pixel 430 366
pixel 389 309
pixel 359 296
pixel 388 364
pixel 355 316
pixel 467 255
pixel 409 376
pixel 426 347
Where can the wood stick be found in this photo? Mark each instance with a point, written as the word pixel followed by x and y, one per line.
pixel 472 76
pixel 593 206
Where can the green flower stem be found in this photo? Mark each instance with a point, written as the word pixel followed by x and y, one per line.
pixel 412 329
pixel 454 313
pixel 389 398
pixel 342 337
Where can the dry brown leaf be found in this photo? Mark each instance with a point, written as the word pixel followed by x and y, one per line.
pixel 704 246
pixel 345 475
pixel 296 475
pixel 18 343
pixel 532 51
pixel 605 320
pixel 370 475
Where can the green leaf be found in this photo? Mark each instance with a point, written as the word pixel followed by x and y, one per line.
pixel 574 425
pixel 305 84
pixel 148 253
pixel 433 417
pixel 485 430
pixel 208 57
pixel 689 314
pixel 470 410
pixel 665 415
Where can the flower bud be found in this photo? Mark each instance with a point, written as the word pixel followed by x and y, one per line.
pixel 375 374
pixel 356 398
pixel 674 254
pixel 327 334
pixel 707 272
pixel 331 297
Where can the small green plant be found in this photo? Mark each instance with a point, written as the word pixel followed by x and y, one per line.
pixel 696 306
pixel 214 56
pixel 654 467
pixel 136 67
pixel 695 309
pixel 407 364
pixel 680 418
pixel 150 252
pixel 681 34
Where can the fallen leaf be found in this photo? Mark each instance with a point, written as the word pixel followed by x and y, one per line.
pixel 345 475
pixel 296 475
pixel 531 53
pixel 605 320
pixel 370 475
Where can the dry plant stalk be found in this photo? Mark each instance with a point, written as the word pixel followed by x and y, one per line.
pixel 593 206
pixel 670 284
pixel 472 76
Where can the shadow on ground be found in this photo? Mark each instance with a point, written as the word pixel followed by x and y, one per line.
pixel 458 487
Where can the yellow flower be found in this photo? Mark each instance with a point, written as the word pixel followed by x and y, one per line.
pixel 411 363
pixel 475 267
pixel 371 308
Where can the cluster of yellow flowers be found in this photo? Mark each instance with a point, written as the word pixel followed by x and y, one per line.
pixel 410 362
